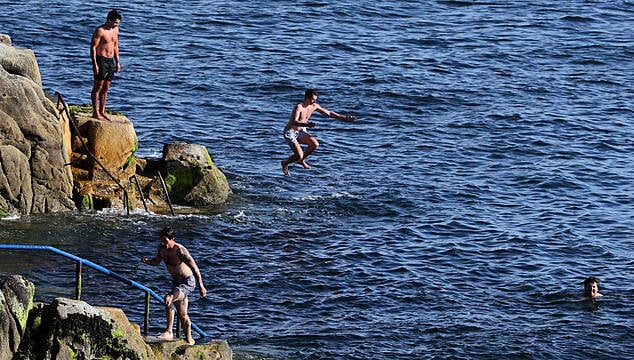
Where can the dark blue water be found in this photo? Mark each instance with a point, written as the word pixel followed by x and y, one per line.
pixel 490 171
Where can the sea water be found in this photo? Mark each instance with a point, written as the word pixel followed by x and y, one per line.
pixel 489 172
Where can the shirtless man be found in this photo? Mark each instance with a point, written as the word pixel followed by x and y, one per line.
pixel 295 131
pixel 104 52
pixel 185 274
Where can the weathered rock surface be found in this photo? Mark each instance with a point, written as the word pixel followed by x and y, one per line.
pixel 104 163
pixel 112 143
pixel 178 349
pixel 192 177
pixel 72 329
pixel 16 301
pixel 32 140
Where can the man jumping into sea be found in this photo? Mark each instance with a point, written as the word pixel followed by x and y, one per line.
pixel 295 131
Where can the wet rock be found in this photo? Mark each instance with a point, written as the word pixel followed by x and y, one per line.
pixel 192 177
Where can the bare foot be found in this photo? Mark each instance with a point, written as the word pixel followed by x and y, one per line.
pixel 166 336
pixel 100 117
pixel 190 342
pixel 285 168
pixel 304 164
pixel 105 117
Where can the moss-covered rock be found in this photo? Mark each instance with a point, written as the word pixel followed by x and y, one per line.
pixel 192 178
pixel 19 292
pixel 87 109
pixel 72 329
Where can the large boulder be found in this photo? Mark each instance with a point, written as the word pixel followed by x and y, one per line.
pixel 29 123
pixel 112 143
pixel 15 179
pixel 192 178
pixel 72 329
pixel 20 62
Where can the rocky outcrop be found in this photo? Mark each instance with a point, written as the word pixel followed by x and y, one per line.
pixel 72 329
pixel 54 158
pixel 33 178
pixel 106 169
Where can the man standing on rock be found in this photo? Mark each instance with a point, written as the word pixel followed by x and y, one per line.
pixel 104 52
pixel 185 274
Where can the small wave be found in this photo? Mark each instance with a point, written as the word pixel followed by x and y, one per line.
pixel 10 217
pixel 577 18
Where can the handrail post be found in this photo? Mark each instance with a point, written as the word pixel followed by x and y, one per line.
pixel 126 201
pixel 167 195
pixel 78 268
pixel 146 321
pixel 138 187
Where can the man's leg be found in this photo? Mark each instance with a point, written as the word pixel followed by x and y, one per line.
pixel 297 155
pixel 181 306
pixel 94 97
pixel 312 144
pixel 103 98
pixel 170 300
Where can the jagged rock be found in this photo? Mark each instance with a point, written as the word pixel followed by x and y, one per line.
pixel 15 179
pixel 192 177
pixel 19 292
pixel 29 123
pixel 5 39
pixel 8 330
pixel 20 62
pixel 131 331
pixel 16 301
pixel 72 329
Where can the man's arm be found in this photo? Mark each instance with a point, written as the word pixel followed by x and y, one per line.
pixel 189 261
pixel 94 43
pixel 116 49
pixel 309 124
pixel 335 115
pixel 154 261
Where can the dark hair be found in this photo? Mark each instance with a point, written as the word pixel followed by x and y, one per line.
pixel 588 282
pixel 309 93
pixel 113 15
pixel 168 232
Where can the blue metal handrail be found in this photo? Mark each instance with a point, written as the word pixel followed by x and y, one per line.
pixel 101 269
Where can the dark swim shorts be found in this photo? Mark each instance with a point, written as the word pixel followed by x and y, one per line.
pixel 107 68
pixel 186 285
